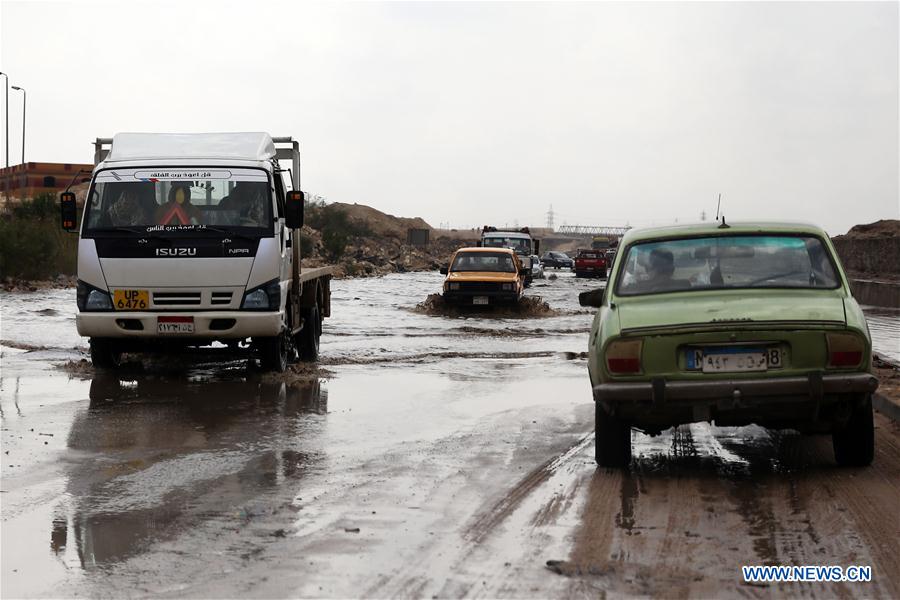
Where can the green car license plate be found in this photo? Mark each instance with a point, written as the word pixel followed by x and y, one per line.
pixel 733 359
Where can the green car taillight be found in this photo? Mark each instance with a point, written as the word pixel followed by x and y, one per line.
pixel 623 357
pixel 845 350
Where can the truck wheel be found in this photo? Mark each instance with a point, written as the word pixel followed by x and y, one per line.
pixel 104 354
pixel 854 445
pixel 612 440
pixel 274 353
pixel 308 339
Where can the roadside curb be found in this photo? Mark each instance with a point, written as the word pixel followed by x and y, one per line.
pixel 886 406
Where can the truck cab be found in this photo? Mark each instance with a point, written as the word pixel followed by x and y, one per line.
pixel 193 240
pixel 517 240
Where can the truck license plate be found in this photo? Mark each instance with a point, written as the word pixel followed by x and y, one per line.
pixel 733 359
pixel 175 325
pixel 480 300
pixel 131 299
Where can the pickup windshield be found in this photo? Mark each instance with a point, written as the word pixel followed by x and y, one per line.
pixel 727 262
pixel 499 262
pixel 179 199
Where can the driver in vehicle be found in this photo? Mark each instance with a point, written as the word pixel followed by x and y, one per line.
pixel 178 210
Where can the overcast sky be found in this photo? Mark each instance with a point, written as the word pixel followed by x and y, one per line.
pixel 486 113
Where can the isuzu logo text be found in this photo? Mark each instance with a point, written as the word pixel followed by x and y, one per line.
pixel 176 251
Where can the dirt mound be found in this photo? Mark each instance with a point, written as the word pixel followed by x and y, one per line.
pixel 381 224
pixel 528 307
pixel 882 228
pixel 871 249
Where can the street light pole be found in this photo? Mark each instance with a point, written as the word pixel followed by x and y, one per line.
pixel 24 102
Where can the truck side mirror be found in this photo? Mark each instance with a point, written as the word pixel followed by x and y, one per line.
pixel 293 209
pixel 537 247
pixel 593 298
pixel 68 211
pixel 443 270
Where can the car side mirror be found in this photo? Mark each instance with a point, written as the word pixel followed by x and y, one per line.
pixel 443 270
pixel 293 209
pixel 593 298
pixel 68 211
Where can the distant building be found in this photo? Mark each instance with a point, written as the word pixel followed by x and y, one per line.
pixel 34 178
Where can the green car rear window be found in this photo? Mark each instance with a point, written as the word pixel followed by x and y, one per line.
pixel 726 262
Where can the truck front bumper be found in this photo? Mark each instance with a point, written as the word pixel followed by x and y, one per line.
pixel 494 298
pixel 225 324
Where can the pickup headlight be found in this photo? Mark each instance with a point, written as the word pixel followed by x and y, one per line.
pixel 453 286
pixel 89 298
pixel 265 297
pixel 507 287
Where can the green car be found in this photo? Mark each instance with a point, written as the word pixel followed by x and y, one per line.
pixel 737 324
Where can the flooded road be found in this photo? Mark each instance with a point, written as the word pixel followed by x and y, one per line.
pixel 427 457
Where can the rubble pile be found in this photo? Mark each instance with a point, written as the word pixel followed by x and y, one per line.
pixel 872 250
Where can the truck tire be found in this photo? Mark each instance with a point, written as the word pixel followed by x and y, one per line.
pixel 105 354
pixel 274 353
pixel 612 440
pixel 308 339
pixel 854 444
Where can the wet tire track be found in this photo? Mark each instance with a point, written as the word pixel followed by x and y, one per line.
pixel 683 521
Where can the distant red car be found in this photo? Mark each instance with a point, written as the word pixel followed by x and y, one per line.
pixel 590 263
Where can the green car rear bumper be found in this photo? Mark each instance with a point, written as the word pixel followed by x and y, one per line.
pixel 815 386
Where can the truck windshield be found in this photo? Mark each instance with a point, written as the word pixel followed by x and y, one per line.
pixel 179 199
pixel 520 245
pixel 499 262
pixel 727 262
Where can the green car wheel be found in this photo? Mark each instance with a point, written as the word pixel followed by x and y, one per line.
pixel 854 445
pixel 612 440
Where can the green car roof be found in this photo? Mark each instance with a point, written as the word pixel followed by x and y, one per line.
pixel 714 228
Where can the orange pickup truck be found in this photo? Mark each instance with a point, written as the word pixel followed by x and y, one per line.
pixel 483 277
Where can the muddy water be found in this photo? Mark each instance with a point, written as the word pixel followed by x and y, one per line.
pixel 438 457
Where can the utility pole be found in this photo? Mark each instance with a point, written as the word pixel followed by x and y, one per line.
pixel 6 106
pixel 24 102
pixel 550 218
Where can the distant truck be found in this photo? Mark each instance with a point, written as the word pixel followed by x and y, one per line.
pixel 590 263
pixel 600 242
pixel 191 239
pixel 518 240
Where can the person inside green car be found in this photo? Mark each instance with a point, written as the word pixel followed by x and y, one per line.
pixel 660 268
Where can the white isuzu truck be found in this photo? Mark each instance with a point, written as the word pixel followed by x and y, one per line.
pixel 191 239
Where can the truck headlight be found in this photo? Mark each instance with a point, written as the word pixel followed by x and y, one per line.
pixel 265 297
pixel 507 287
pixel 89 298
pixel 453 286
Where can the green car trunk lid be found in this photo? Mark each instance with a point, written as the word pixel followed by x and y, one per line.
pixel 728 308
pixel 793 322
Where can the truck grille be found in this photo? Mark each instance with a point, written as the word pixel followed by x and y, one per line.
pixel 479 286
pixel 220 298
pixel 176 298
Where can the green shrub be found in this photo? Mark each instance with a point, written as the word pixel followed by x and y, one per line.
pixel 32 243
pixel 306 245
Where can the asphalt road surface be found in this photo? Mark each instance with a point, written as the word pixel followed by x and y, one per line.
pixel 426 457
